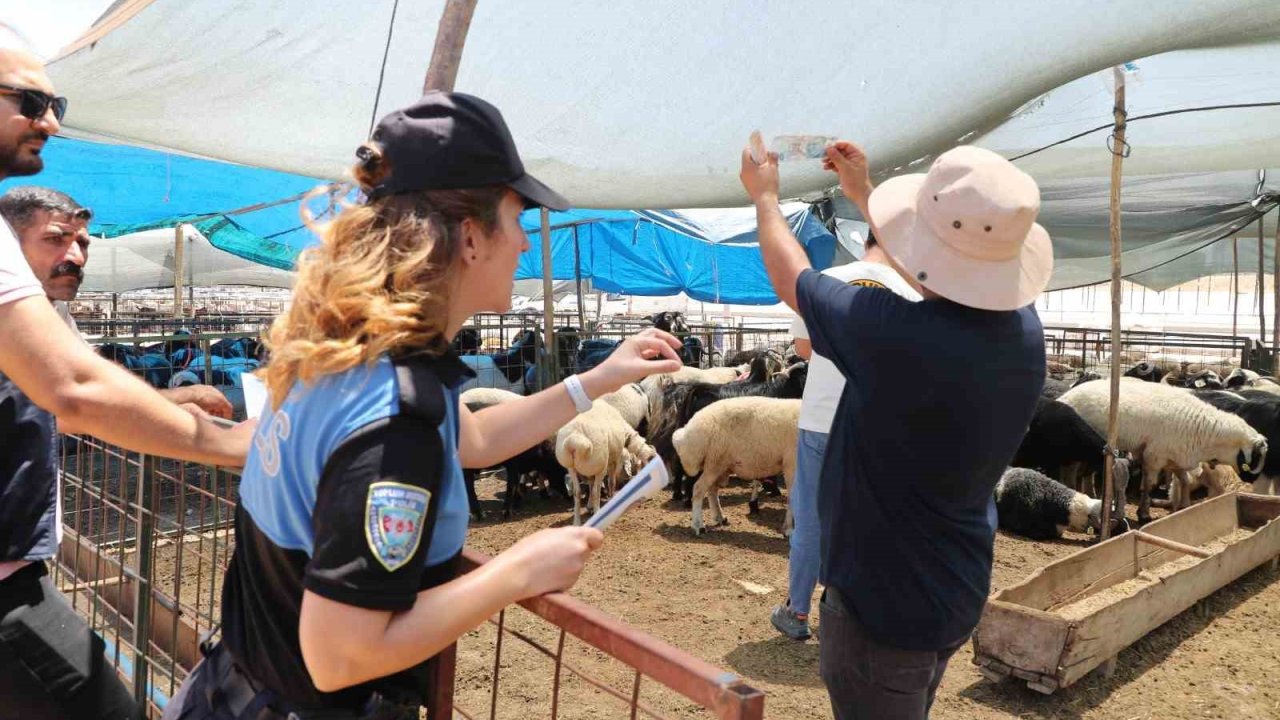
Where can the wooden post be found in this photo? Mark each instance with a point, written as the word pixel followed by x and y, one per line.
pixel 451 36
pixel 548 301
pixel 179 269
pixel 1235 289
pixel 1262 313
pixel 1117 160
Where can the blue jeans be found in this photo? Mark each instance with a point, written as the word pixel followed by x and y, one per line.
pixel 811 446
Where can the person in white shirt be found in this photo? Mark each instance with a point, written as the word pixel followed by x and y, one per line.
pixel 48 362
pixel 817 409
pixel 52 666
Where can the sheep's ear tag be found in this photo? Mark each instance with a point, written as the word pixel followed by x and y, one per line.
pixel 1246 467
pixel 1199 383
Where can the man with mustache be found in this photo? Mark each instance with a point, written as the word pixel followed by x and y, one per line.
pixel 51 664
pixel 42 357
pixel 53 231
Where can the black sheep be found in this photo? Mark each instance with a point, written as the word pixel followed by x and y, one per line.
pixel 1054 389
pixel 1059 439
pixel 1035 506
pixel 1146 371
pixel 772 359
pixel 540 459
pixel 692 350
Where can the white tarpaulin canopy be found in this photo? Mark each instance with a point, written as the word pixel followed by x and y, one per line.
pixel 637 103
pixel 145 260
pixel 1203 129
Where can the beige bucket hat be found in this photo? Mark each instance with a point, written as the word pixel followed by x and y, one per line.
pixel 967 229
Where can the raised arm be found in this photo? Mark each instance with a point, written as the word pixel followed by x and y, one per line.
pixel 784 258
pixel 494 434
pixel 89 394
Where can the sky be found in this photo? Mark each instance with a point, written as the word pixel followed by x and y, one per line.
pixel 49 25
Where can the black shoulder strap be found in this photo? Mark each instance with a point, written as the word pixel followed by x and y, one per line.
pixel 421 392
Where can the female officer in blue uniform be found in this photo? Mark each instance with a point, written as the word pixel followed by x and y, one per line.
pixel 352 508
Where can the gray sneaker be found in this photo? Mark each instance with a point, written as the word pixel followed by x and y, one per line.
pixel 790 624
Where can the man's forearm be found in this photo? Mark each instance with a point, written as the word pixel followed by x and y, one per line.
pixel 784 258
pixel 179 395
pixel 92 395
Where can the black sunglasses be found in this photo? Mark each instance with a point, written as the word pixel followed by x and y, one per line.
pixel 36 103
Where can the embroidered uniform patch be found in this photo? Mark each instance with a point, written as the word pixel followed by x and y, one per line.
pixel 867 283
pixel 394 514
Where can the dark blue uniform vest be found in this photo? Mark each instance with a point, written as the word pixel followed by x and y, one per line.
pixel 28 478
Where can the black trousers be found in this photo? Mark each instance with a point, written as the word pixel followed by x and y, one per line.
pixel 867 680
pixel 52 666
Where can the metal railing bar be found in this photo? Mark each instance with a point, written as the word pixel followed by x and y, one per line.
pixel 555 683
pixel 497 666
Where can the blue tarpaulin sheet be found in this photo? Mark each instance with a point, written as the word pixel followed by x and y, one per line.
pixel 710 255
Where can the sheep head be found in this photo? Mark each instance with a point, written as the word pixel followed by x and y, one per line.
pixel 1251 459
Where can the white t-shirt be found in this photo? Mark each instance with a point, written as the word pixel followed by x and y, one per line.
pixel 824 385
pixel 64 312
pixel 16 279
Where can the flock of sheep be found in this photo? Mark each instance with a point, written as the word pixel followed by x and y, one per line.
pixel 1180 426
pixel 709 424
pixel 1184 427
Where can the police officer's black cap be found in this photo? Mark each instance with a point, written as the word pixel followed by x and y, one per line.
pixel 454 141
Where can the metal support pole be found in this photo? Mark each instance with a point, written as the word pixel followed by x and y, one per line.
pixel 451 36
pixel 1117 160
pixel 145 520
pixel 1275 296
pixel 1235 288
pixel 1262 313
pixel 577 277
pixel 548 302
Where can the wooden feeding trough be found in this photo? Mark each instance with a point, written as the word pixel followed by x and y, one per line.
pixel 1075 614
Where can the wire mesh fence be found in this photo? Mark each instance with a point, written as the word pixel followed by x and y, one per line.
pixel 1070 351
pixel 148 540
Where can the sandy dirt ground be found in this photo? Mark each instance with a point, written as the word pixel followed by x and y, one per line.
pixel 711 596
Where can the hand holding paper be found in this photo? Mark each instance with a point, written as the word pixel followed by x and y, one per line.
pixel 651 479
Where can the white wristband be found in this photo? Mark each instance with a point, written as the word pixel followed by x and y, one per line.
pixel 577 393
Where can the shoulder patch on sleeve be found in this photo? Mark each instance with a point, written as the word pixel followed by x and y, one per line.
pixel 394 514
pixel 864 282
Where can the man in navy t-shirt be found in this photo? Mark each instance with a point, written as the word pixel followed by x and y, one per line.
pixel 938 395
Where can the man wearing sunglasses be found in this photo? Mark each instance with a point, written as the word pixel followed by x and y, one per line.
pixel 21 146
pixel 51 667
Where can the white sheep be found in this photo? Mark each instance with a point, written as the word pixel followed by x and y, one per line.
pixel 631 402
pixel 752 438
pixel 487 397
pixel 599 445
pixel 1168 429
